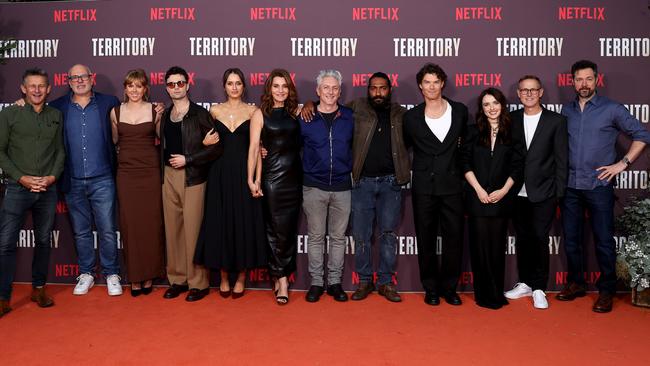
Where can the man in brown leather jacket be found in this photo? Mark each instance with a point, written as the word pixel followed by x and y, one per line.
pixel 380 168
pixel 186 162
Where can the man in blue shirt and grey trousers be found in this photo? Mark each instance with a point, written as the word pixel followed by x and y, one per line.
pixel 594 123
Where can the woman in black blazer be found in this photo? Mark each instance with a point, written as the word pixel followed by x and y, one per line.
pixel 492 162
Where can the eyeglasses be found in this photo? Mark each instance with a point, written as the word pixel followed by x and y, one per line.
pixel 173 84
pixel 79 78
pixel 530 91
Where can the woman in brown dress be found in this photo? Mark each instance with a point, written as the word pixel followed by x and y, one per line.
pixel 135 126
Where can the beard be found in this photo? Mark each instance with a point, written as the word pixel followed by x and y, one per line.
pixel 586 92
pixel 380 102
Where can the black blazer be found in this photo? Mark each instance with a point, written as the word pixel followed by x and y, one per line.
pixel 436 164
pixel 492 169
pixel 546 160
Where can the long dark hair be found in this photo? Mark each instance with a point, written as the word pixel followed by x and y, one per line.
pixel 290 104
pixel 484 129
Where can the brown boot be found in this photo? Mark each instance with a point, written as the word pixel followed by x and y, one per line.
pixel 41 298
pixel 389 292
pixel 4 307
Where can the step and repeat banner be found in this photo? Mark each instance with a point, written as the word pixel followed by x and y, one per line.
pixel 478 43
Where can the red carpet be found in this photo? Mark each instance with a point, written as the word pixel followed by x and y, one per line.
pixel 99 330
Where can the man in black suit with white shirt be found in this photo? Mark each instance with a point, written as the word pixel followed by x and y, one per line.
pixel 434 130
pixel 545 180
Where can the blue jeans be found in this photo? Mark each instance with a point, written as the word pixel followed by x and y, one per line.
pixel 377 198
pixel 94 198
pixel 600 203
pixel 17 201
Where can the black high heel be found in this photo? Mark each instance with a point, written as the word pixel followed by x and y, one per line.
pixel 147 290
pixel 281 299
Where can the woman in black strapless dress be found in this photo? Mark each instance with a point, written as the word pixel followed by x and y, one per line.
pixel 279 177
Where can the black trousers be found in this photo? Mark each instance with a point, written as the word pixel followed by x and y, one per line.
pixel 532 222
pixel 487 246
pixel 442 215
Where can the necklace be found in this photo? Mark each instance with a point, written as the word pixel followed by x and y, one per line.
pixel 495 131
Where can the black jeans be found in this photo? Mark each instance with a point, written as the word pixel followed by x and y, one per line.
pixel 17 201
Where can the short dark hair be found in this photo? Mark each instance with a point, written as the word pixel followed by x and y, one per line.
pixel 176 70
pixel 431 68
pixel 380 75
pixel 584 64
pixel 529 77
pixel 236 71
pixel 36 71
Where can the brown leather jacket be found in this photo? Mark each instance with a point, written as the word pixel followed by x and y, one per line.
pixel 198 158
pixel 365 122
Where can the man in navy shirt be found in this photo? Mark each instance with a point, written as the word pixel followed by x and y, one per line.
pixel 88 177
pixel 594 123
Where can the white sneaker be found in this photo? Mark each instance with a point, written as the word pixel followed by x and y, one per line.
pixel 113 285
pixel 520 290
pixel 85 282
pixel 539 300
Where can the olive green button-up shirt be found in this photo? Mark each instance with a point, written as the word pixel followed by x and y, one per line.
pixel 31 143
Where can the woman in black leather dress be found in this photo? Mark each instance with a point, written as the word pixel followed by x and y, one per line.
pixel 279 177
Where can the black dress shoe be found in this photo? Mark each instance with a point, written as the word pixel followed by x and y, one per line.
pixel 452 298
pixel 431 298
pixel 314 293
pixel 174 291
pixel 604 303
pixel 195 294
pixel 571 291
pixel 336 291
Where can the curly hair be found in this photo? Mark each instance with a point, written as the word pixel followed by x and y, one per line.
pixel 484 130
pixel 290 104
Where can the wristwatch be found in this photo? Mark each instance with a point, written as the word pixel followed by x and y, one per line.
pixel 626 161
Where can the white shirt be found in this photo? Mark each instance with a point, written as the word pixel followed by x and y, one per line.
pixel 440 126
pixel 530 125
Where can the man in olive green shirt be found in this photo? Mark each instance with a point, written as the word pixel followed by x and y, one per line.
pixel 31 156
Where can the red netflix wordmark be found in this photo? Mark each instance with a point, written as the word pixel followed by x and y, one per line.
pixel 356 280
pixel 273 14
pixel 75 15
pixel 158 78
pixel 261 274
pixel 61 207
pixel 479 13
pixel 172 14
pixel 478 79
pixel 561 278
pixel 66 270
pixel 566 79
pixel 363 79
pixel 389 14
pixel 61 78
pixel 259 78
pixel 581 12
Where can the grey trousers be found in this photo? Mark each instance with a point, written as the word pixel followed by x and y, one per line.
pixel 326 212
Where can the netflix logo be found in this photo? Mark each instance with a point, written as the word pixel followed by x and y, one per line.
pixel 381 14
pixel 259 78
pixel 66 270
pixel 61 78
pixel 465 80
pixel 375 277
pixel 262 275
pixel 363 79
pixel 158 78
pixel 490 13
pixel 157 14
pixel 561 278
pixel 75 15
pixel 566 79
pixel 581 12
pixel 288 14
pixel 61 207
